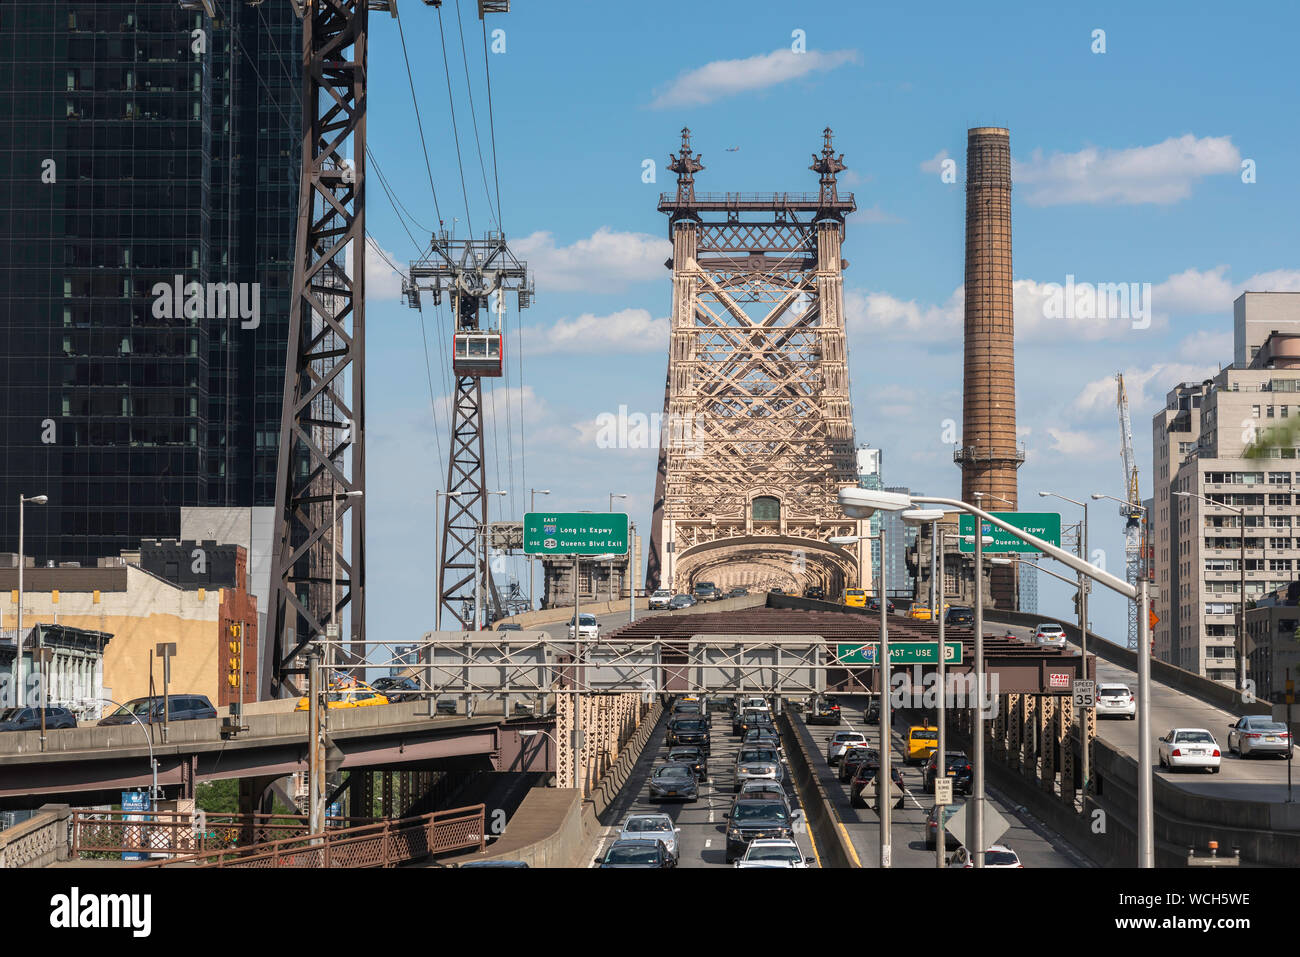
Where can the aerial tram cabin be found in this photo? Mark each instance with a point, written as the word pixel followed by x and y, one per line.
pixel 477 353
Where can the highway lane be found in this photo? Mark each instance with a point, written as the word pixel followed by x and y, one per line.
pixel 1244 779
pixel 703 838
pixel 1035 844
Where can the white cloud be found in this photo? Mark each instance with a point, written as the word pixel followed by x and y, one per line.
pixel 628 330
pixel 383 283
pixel 604 262
pixel 1206 346
pixel 882 314
pixel 873 215
pixel 723 78
pixel 935 163
pixel 1163 173
pixel 1075 443
pixel 1100 395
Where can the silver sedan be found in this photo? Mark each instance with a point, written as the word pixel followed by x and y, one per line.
pixel 660 827
pixel 1259 734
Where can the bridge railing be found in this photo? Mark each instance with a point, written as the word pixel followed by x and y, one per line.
pixel 382 844
pixel 103 834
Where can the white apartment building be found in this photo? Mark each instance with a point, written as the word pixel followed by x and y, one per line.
pixel 1229 439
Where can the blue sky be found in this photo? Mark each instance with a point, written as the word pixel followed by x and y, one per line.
pixel 1127 169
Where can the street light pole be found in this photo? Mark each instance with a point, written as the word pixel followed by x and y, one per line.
pixel 975 814
pixel 20 699
pixel 885 778
pixel 1084 586
pixel 532 507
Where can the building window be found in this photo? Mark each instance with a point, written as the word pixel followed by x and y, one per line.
pixel 766 508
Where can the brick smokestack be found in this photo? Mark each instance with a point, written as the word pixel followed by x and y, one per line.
pixel 989 455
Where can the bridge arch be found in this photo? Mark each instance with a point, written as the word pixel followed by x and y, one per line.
pixel 767 561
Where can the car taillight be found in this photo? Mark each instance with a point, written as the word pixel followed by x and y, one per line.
pixel 968 767
pixel 1252 735
pixel 1216 753
pixel 1177 753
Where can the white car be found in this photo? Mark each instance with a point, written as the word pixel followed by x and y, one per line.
pixel 1190 748
pixel 660 598
pixel 1117 700
pixel 1050 633
pixel 756 704
pixel 996 855
pixel 641 827
pixel 840 742
pixel 774 852
pixel 588 627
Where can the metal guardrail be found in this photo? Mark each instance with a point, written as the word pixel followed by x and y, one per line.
pixel 110 833
pixel 383 844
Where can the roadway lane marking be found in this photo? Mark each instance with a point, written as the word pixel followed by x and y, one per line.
pixel 708 843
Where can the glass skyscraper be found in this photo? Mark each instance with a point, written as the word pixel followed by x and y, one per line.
pixel 143 148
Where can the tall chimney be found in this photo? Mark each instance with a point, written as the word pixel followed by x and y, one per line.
pixel 989 455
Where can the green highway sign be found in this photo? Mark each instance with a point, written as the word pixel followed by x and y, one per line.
pixel 1044 525
pixel 575 533
pixel 900 653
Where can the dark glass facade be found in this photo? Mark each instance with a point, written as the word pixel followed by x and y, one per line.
pixel 139 143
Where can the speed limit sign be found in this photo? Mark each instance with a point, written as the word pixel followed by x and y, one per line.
pixel 1085 694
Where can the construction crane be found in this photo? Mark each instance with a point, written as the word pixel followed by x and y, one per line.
pixel 1131 511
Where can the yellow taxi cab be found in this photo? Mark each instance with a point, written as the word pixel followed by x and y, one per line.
pixel 922 741
pixel 855 598
pixel 923 612
pixel 346 693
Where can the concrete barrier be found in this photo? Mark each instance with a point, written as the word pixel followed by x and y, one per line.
pixel 1198 686
pixel 554 827
pixel 833 848
pixel 39 841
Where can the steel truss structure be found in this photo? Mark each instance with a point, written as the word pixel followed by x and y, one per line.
pixel 758 435
pixel 468 272
pixel 322 426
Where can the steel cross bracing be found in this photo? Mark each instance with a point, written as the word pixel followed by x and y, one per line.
pixel 322 427
pixel 757 393
pixel 468 272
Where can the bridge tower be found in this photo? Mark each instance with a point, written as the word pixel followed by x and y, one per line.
pixel 757 436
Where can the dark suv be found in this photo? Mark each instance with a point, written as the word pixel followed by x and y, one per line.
pixel 689 730
pixel 752 818
pixel 706 591
pixel 960 616
pixel 959 769
pixel 397 689
pixel 853 758
pixel 182 707
pixel 816 591
pixel 29 719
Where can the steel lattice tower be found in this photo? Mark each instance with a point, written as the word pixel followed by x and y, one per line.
pixel 758 432
pixel 322 426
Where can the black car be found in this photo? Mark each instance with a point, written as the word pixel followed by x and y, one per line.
pixel 823 711
pixel 637 853
pixel 680 601
pixel 872 714
pixel 863 778
pixel 756 719
pixel 689 730
pixel 960 616
pixel 682 707
pixel 816 591
pixel 29 719
pixel 852 759
pixel 693 757
pixel 397 689
pixel 873 604
pixel 183 707
pixel 507 626
pixel 673 781
pixel 738 592
pixel 959 769
pixel 751 818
